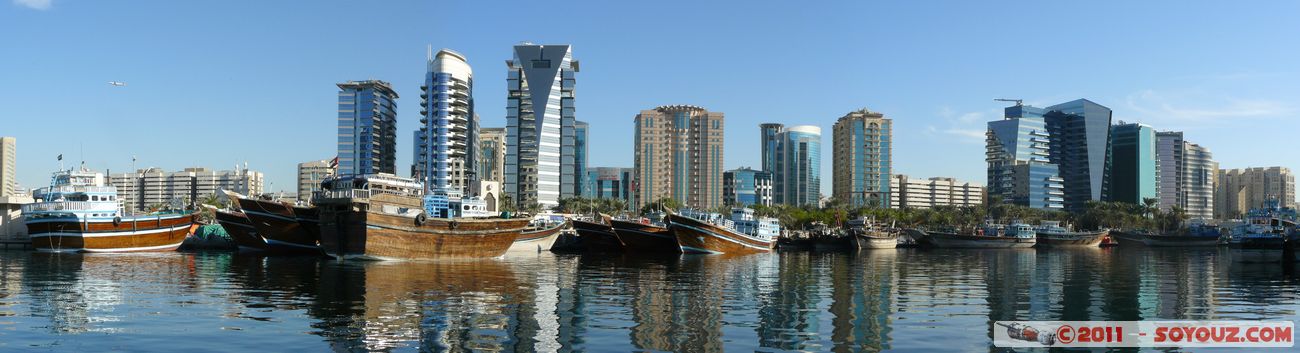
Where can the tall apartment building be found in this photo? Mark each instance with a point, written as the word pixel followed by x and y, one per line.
pixel 367 128
pixel 491 162
pixel 8 165
pixel 540 125
pixel 445 142
pixel 145 188
pixel 746 187
pixel 678 154
pixel 1187 172
pixel 1080 142
pixel 1239 190
pixel 938 191
pixel 1132 171
pixel 793 156
pixel 310 176
pixel 608 183
pixel 861 158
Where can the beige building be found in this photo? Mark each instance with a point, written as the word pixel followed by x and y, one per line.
pixel 678 154
pixel 861 158
pixel 148 187
pixel 310 175
pixel 1239 190
pixel 8 165
pixel 938 191
pixel 491 154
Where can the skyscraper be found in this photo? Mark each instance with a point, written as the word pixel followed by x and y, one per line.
pixel 746 187
pixel 793 158
pixel 491 162
pixel 577 168
pixel 1187 172
pixel 1080 140
pixel 1017 150
pixel 861 159
pixel 1239 190
pixel 1132 176
pixel 678 154
pixel 540 123
pixel 8 165
pixel 444 145
pixel 367 134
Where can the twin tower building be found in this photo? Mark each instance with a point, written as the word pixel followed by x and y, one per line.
pixel 542 161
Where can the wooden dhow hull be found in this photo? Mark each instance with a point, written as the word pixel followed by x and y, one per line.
pixel 358 229
pixel 139 233
pixel 1257 250
pixel 241 230
pixel 875 241
pixel 536 241
pixel 277 223
pixel 309 219
pixel 645 238
pixel 597 237
pixel 970 241
pixel 1126 238
pixel 698 237
pixel 1083 239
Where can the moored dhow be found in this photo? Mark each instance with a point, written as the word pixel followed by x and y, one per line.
pixel 1195 235
pixel 1053 234
pixel 241 230
pixel 597 235
pixel 711 233
pixel 382 216
pixel 1264 235
pixel 990 236
pixel 645 236
pixel 869 235
pixel 539 236
pixel 77 212
pixel 277 223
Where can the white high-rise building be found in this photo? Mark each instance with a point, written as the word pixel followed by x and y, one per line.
pixel 8 165
pixel 1185 174
pixel 310 176
pixel 938 191
pixel 540 125
pixel 445 143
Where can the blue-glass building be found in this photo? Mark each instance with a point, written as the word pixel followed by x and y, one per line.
pixel 608 183
pixel 540 125
pixel 793 157
pixel 367 128
pixel 446 140
pixel 1132 175
pixel 1018 150
pixel 770 145
pixel 746 187
pixel 1080 143
pixel 579 163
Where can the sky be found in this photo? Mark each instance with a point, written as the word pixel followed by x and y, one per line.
pixel 221 83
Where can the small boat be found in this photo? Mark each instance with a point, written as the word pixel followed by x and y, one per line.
pixel 710 233
pixel 539 236
pixel 1108 241
pixel 990 236
pixel 789 241
pixel 597 236
pixel 1196 235
pixel 78 213
pixel 382 216
pixel 241 230
pixel 645 236
pixel 869 235
pixel 1264 236
pixel 1052 234
pixel 277 223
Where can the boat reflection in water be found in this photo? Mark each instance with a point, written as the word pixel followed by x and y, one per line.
pixel 905 300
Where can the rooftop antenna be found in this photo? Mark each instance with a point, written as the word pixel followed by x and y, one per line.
pixel 428 52
pixel 1019 102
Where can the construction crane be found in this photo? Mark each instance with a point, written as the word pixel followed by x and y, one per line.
pixel 1019 102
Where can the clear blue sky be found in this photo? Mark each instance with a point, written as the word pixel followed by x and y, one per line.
pixel 215 83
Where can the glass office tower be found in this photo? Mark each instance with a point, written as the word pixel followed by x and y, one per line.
pixel 1017 152
pixel 367 128
pixel 1132 176
pixel 1080 143
pixel 540 125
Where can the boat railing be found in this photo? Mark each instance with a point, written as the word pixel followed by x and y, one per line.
pixel 342 194
pixel 68 206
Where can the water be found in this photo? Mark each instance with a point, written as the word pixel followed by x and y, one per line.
pixel 905 300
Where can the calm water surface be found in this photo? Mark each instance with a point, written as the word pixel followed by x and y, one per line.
pixel 904 300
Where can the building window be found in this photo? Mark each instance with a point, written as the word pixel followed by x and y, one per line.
pixel 541 64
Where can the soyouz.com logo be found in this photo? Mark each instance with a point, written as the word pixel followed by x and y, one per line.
pixel 1253 334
